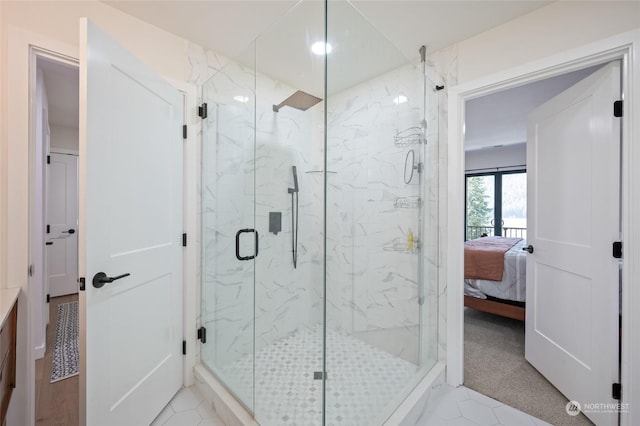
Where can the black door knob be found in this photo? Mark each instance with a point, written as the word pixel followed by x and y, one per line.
pixel 70 231
pixel 100 279
pixel 528 248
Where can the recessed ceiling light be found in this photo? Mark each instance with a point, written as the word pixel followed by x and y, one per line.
pixel 400 99
pixel 242 99
pixel 320 47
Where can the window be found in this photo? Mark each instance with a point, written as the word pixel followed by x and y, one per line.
pixel 496 204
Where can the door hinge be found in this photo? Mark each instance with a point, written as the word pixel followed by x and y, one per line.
pixel 202 334
pixel 48 229
pixel 202 111
pixel 48 298
pixel 184 240
pixel 48 159
pixel 30 270
pixel 617 109
pixel 184 347
pixel 184 131
pixel 81 283
pixel 616 391
pixel 617 249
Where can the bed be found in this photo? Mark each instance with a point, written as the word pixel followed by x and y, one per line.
pixel 495 276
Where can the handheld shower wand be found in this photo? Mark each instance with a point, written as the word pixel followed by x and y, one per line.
pixel 295 181
pixel 294 217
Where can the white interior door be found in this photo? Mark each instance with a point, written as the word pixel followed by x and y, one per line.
pixel 130 223
pixel 62 218
pixel 572 279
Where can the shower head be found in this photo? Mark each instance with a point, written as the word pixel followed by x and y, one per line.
pixel 299 100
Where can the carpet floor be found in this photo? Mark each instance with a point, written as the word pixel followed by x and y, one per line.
pixel 494 365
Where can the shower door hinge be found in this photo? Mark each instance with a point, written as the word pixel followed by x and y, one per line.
pixel 617 109
pixel 202 111
pixel 202 334
pixel 184 240
pixel 184 131
pixel 184 347
pixel 617 250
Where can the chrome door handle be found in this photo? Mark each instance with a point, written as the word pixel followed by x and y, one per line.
pixel 100 279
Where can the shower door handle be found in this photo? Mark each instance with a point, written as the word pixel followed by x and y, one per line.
pixel 240 232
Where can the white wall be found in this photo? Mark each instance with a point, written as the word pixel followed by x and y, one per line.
pixel 544 32
pixel 508 156
pixel 52 26
pixel 64 137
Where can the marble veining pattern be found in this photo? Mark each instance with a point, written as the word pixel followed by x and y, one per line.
pixel 188 408
pixel 449 406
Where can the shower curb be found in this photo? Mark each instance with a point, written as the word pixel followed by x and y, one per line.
pixel 234 414
pixel 222 402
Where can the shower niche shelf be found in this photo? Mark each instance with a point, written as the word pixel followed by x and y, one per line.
pixel 317 172
pixel 408 203
pixel 409 137
pixel 402 248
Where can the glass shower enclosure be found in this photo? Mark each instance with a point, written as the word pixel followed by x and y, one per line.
pixel 319 221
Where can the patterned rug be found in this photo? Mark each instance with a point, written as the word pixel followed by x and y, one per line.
pixel 65 351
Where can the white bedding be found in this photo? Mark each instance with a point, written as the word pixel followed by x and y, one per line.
pixel 513 284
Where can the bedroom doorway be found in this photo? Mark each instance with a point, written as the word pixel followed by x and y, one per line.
pixel 494 345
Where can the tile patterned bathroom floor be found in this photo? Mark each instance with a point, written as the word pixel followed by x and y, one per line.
pixel 449 406
pixel 188 408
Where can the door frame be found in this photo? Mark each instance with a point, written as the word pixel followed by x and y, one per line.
pixel 22 46
pixel 624 47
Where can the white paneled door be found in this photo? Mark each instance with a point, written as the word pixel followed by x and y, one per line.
pixel 62 220
pixel 130 235
pixel 573 166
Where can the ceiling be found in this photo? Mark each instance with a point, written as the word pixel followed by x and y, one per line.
pixel 500 119
pixel 61 83
pixel 369 37
pixel 372 36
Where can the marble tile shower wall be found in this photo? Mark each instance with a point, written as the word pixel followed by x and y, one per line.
pixel 372 272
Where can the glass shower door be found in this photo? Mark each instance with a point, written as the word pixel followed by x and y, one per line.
pixel 229 239
pixel 289 180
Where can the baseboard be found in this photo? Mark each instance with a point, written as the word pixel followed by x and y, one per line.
pixel 39 352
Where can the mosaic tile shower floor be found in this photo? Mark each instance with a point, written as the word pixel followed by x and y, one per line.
pixel 362 380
